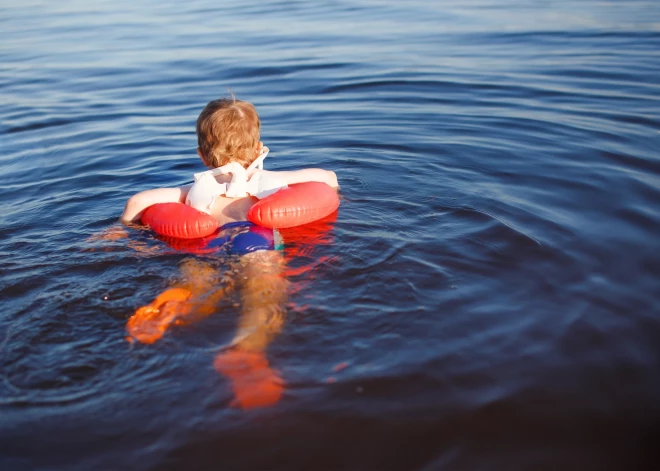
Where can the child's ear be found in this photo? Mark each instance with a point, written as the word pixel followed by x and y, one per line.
pixel 260 145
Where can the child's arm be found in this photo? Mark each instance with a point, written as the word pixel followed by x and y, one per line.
pixel 139 202
pixel 307 175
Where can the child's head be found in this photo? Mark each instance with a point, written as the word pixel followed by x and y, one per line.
pixel 228 131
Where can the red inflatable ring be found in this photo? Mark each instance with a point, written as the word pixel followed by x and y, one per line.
pixel 179 220
pixel 296 205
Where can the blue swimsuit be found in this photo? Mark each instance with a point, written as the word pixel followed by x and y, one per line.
pixel 239 238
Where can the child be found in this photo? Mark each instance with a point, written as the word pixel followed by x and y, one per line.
pixel 227 131
pixel 227 134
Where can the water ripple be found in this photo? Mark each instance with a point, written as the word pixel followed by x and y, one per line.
pixel 485 297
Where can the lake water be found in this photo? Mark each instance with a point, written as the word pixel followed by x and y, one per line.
pixel 487 297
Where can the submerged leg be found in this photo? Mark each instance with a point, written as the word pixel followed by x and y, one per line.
pixel 150 322
pixel 195 298
pixel 254 383
pixel 263 295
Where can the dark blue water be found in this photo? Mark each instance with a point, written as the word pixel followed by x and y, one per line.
pixel 487 298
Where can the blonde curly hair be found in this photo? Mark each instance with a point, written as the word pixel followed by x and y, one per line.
pixel 228 131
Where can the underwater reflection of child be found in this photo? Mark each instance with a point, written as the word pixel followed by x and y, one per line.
pixel 228 133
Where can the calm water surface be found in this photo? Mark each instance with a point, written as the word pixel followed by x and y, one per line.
pixel 486 299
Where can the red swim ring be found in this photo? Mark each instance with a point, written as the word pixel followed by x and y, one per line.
pixel 179 220
pixel 296 205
